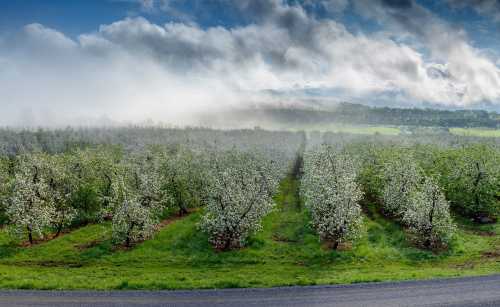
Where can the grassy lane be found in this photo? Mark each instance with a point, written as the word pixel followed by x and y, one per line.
pixel 285 252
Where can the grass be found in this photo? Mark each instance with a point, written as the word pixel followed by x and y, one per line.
pixel 483 132
pixel 285 252
pixel 352 129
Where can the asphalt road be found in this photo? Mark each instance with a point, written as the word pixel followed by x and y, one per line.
pixel 473 291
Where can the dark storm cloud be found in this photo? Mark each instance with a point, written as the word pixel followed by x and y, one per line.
pixel 402 4
pixel 189 47
pixel 408 17
pixel 402 13
pixel 291 18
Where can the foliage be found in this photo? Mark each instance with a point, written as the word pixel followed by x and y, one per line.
pixel 332 195
pixel 132 222
pixel 124 182
pixel 88 182
pixel 427 215
pixel 401 178
pixel 468 172
pixel 99 170
pixel 139 199
pixel 61 188
pixel 5 178
pixel 79 181
pixel 238 196
pixel 473 183
pixel 183 174
pixel 142 174
pixel 286 252
pixel 30 208
pixel 352 113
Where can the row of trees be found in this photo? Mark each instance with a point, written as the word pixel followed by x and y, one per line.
pixel 42 194
pixel 38 195
pixel 467 174
pixel 350 113
pixel 417 201
pixel 470 175
pixel 418 185
pixel 467 169
pixel 15 141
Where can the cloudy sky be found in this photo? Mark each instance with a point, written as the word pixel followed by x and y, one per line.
pixel 64 62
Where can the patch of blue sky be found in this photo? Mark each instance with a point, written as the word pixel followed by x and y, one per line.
pixel 482 30
pixel 70 17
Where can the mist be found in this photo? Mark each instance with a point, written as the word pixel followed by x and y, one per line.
pixel 134 71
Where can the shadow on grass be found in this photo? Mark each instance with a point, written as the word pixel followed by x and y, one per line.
pixel 472 227
pixel 384 232
pixel 8 250
pixel 95 250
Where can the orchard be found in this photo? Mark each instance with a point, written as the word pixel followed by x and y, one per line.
pixel 138 177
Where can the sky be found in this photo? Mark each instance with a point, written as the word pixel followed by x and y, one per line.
pixel 66 62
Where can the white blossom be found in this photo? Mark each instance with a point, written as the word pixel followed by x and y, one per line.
pixel 332 195
pixel 238 195
pixel 5 189
pixel 132 222
pixel 139 199
pixel 184 175
pixel 427 215
pixel 144 178
pixel 30 208
pixel 402 176
pixel 475 181
pixel 61 186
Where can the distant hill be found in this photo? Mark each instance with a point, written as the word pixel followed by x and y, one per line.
pixel 349 113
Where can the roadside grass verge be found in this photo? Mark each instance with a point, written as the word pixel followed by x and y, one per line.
pixel 285 252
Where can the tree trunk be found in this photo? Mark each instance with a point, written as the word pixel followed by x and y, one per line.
pixel 427 243
pixel 129 233
pixel 30 235
pixel 227 245
pixel 428 231
pixel 59 229
pixel 476 186
pixel 182 210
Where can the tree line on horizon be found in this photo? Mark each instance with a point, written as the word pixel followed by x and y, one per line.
pixel 351 113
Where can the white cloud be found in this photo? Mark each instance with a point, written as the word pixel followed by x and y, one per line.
pixel 133 69
pixel 472 77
